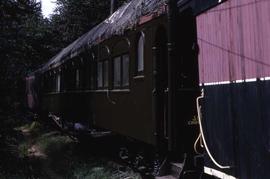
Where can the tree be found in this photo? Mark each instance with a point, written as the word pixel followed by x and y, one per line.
pixel 27 40
pixel 22 41
pixel 73 18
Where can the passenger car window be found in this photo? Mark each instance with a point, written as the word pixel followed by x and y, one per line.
pixel 58 83
pixel 121 71
pixel 106 73
pixel 100 74
pixel 140 54
pixel 77 78
pixel 117 72
pixel 125 66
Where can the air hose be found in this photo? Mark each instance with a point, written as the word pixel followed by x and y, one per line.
pixel 201 135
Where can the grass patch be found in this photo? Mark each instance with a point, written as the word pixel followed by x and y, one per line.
pixel 88 172
pixel 54 145
pixel 39 153
pixel 33 128
pixel 23 150
pixel 103 169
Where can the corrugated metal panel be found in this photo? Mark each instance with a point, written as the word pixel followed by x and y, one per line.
pixel 234 40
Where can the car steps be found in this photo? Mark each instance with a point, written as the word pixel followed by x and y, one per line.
pixel 174 172
pixel 98 134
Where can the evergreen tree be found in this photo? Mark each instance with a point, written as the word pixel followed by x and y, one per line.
pixel 73 18
pixel 22 36
pixel 27 39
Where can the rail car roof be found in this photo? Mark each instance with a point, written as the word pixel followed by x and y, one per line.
pixel 126 17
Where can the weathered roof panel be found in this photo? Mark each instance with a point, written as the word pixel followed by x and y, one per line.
pixel 126 17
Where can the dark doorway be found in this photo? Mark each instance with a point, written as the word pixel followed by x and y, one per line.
pixel 186 78
pixel 160 72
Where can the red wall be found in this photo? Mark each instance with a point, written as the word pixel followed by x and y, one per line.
pixel 234 41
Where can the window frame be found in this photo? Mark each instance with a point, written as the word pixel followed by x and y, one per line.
pixel 103 67
pixel 106 86
pixel 53 81
pixel 84 71
pixel 121 86
pixel 103 73
pixel 63 78
pixel 58 82
pixel 100 70
pixel 92 71
pixel 140 49
pixel 77 78
pixel 113 72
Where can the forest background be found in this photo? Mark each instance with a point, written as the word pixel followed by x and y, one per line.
pixel 28 40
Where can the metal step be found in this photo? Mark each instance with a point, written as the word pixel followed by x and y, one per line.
pixel 176 169
pixel 166 177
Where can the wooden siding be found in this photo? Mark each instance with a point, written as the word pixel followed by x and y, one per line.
pixel 234 41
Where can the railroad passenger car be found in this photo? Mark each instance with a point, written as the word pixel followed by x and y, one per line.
pixel 118 76
pixel 113 73
pixel 140 72
pixel 234 41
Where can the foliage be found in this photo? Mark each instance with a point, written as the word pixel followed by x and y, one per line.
pixel 22 41
pixel 40 153
pixel 23 150
pixel 73 18
pixel 55 144
pixel 28 40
